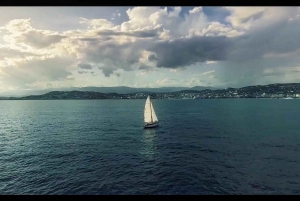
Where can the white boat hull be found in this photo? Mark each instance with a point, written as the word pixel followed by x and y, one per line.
pixel 151 125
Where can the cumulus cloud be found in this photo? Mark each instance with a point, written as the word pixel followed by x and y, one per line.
pixel 253 18
pixel 39 39
pixel 97 23
pixel 21 32
pixel 112 54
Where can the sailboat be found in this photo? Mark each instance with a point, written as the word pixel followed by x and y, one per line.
pixel 150 117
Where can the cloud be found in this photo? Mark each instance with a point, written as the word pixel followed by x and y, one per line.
pixel 282 71
pixel 241 46
pixel 144 67
pixel 7 52
pixel 18 25
pixel 112 54
pixel 254 18
pixel 39 39
pixel 208 72
pixel 22 33
pixel 211 62
pixel 82 72
pixel 167 82
pixel 97 23
pixel 188 51
pixel 84 66
pixel 217 29
pixel 152 57
pixel 106 71
pixel 96 39
pixel 148 29
pixel 141 34
pixel 278 38
pixel 24 74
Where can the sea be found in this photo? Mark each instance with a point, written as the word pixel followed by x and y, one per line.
pixel 99 147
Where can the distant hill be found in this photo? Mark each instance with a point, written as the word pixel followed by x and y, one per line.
pixel 290 90
pixel 119 90
pixel 127 90
pixel 199 88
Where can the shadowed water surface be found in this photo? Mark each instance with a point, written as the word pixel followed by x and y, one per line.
pixel 237 146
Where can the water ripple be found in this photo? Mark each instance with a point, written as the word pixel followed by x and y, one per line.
pixel 99 147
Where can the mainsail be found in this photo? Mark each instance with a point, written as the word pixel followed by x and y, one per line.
pixel 149 113
pixel 154 117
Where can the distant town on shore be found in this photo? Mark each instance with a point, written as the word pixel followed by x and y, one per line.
pixel 290 90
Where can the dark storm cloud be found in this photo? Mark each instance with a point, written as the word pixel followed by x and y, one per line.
pixel 139 34
pixel 114 54
pixel 279 38
pixel 188 51
pixel 152 57
pixel 84 66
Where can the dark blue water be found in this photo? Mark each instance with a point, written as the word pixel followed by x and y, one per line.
pixel 237 146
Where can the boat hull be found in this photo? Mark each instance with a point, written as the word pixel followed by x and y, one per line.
pixel 151 125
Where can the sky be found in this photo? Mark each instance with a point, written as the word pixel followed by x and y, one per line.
pixel 60 47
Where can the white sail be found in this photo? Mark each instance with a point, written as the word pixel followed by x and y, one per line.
pixel 147 111
pixel 154 117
